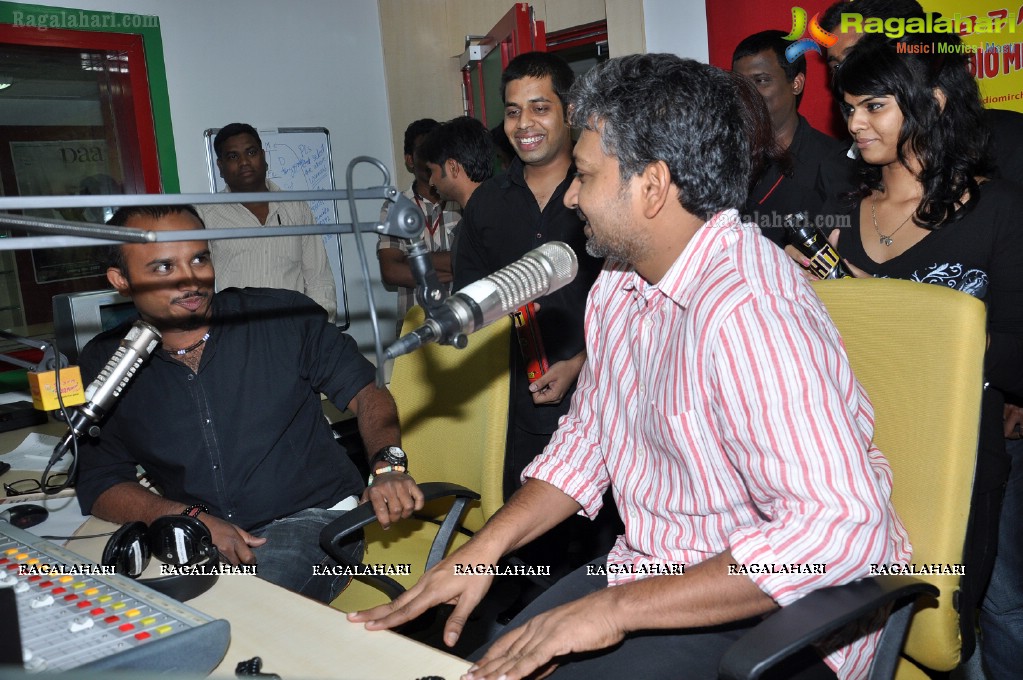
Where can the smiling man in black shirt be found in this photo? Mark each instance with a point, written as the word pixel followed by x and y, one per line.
pixel 508 216
pixel 227 415
pixel 513 213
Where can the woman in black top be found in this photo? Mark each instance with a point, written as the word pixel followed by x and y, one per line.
pixel 925 211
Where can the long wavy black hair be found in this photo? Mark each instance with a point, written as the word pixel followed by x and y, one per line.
pixel 949 139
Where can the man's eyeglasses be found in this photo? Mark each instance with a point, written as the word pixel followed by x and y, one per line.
pixel 21 487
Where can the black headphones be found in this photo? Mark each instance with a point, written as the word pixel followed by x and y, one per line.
pixel 179 540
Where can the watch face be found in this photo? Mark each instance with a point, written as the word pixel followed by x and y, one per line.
pixel 394 456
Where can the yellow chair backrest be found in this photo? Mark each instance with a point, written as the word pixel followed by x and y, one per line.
pixel 918 350
pixel 453 409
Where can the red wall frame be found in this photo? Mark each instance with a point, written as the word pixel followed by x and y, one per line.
pixel 577 36
pixel 514 33
pixel 137 82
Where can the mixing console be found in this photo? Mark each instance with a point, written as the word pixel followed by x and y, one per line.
pixel 71 616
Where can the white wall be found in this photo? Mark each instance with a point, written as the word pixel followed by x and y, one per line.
pixel 677 26
pixel 312 63
pixel 277 64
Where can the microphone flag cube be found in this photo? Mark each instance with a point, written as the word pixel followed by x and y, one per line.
pixel 43 386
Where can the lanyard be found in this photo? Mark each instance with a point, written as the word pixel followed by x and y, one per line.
pixel 433 225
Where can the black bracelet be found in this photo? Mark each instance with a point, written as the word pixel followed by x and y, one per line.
pixel 194 510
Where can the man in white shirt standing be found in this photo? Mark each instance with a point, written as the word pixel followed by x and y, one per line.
pixel 296 263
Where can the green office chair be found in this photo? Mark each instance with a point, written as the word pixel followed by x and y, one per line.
pixel 918 350
pixel 453 409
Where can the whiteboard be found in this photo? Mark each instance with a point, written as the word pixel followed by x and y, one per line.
pixel 298 159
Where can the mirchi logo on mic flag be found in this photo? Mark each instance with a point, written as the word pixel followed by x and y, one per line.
pixel 818 36
pixel 43 387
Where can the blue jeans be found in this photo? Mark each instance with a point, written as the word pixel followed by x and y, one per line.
pixel 1001 614
pixel 292 550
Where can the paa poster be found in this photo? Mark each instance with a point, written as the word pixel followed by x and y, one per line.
pixel 995 46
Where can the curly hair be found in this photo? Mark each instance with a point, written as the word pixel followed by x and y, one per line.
pixel 949 139
pixel 660 107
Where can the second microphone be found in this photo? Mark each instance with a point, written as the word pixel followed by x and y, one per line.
pixel 541 271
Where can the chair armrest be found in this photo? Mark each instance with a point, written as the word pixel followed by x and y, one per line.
pixel 356 519
pixel 543 582
pixel 821 613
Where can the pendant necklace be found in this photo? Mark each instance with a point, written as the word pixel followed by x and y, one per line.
pixel 884 239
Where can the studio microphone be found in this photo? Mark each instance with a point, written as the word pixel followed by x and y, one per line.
pixel 100 395
pixel 541 271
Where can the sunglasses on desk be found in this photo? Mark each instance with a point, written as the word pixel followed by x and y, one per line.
pixel 22 487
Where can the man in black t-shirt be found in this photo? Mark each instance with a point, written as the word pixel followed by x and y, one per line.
pixel 513 213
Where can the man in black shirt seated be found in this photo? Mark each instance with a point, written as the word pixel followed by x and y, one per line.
pixel 818 167
pixel 226 417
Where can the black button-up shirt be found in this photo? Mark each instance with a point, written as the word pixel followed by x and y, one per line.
pixel 246 434
pixel 501 223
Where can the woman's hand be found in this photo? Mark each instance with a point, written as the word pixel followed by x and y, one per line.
pixel 856 272
pixel 804 262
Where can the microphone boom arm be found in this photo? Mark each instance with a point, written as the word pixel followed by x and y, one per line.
pixel 430 292
pixel 404 219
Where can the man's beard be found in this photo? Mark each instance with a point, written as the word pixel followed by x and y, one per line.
pixel 603 250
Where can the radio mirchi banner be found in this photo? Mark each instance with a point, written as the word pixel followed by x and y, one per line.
pixel 993 36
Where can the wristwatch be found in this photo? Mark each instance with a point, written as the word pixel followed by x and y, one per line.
pixel 388 459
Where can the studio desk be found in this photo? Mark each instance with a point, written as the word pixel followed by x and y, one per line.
pixel 294 636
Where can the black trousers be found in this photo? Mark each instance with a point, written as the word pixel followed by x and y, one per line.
pixel 691 654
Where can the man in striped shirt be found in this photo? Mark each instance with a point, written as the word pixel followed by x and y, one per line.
pixel 716 402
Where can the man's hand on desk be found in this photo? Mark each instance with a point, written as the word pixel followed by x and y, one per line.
pixel 234 543
pixel 130 501
pixel 444 584
pixel 394 496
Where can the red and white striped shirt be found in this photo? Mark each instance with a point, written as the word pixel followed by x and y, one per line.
pixel 720 407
